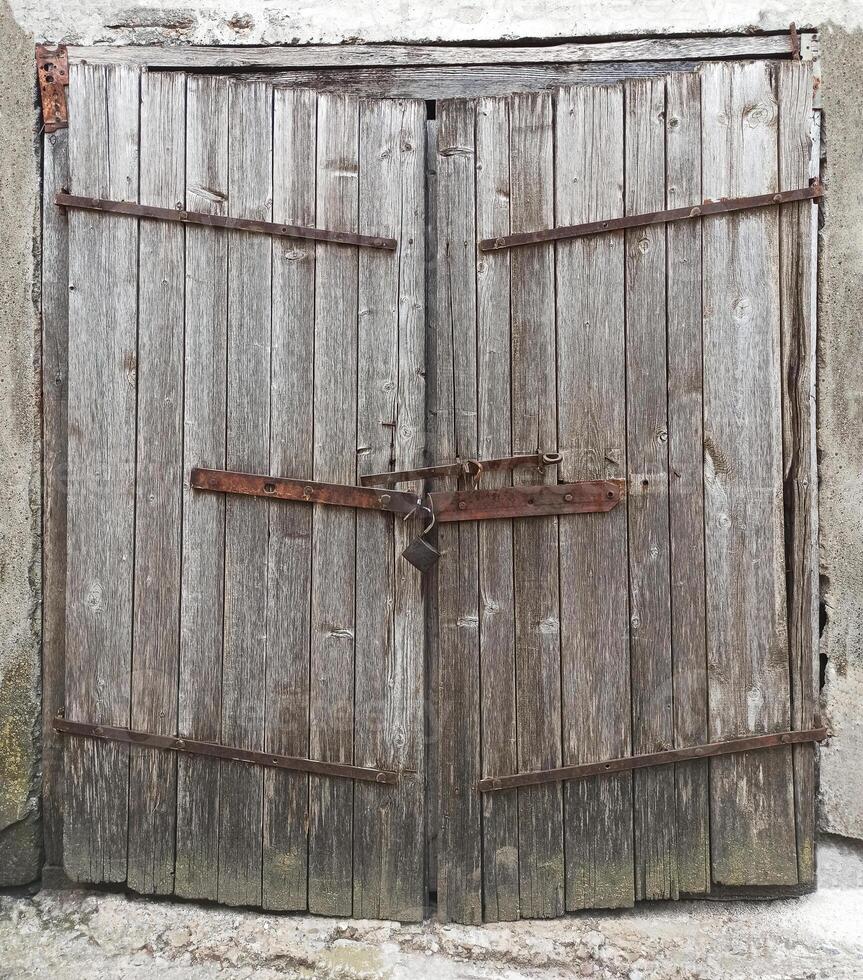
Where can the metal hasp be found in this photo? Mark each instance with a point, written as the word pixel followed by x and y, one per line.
pixel 220 221
pixel 304 491
pixel 215 750
pixel 52 68
pixel 750 743
pixel 724 206
pixel 468 467
pixel 585 497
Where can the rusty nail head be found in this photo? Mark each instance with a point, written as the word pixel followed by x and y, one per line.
pixel 462 505
pixel 568 497
pixel 98 731
pixel 385 498
pixel 269 488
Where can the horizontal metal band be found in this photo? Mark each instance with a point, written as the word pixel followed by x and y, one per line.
pixel 724 206
pixel 218 751
pixel 304 491
pixel 585 497
pixel 750 743
pixel 468 467
pixel 221 221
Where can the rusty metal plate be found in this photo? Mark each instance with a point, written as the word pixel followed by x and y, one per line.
pixel 584 497
pixel 52 67
pixel 304 491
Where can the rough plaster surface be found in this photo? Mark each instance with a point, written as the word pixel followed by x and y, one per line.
pixel 334 21
pixel 20 835
pixel 88 936
pixel 840 436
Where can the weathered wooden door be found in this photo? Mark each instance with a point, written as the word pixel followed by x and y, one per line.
pixel 261 626
pixel 663 354
pixel 275 654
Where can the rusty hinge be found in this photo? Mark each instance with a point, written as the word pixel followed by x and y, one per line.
pixel 278 230
pixel 215 750
pixel 749 743
pixel 52 67
pixel 723 206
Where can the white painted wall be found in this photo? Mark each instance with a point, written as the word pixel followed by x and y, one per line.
pixel 333 21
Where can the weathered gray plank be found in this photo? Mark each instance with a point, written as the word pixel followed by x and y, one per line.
pixel 203 535
pixel 159 484
pixel 592 437
pixel 388 821
pixel 433 342
pixel 452 82
pixel 331 714
pixel 497 602
pixel 246 520
pixel 103 161
pixel 55 361
pixel 459 842
pixel 647 470
pixel 353 55
pixel 535 543
pixel 686 483
pixel 751 796
pixel 285 848
pixel 796 235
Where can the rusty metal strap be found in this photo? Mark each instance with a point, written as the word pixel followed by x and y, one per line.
pixel 724 206
pixel 544 500
pixel 304 491
pixel 52 69
pixel 749 743
pixel 215 750
pixel 467 467
pixel 221 221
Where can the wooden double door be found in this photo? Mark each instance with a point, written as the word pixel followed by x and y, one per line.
pixel 668 356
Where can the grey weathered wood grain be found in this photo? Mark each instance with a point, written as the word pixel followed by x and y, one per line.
pixel 433 341
pixel 796 235
pixel 354 55
pixel 247 449
pixel 535 541
pixel 285 847
pixel 388 820
pixel 751 796
pixel 103 275
pixel 55 374
pixel 331 714
pixel 647 471
pixel 203 533
pixel 459 884
pixel 497 601
pixel 158 486
pixel 450 82
pixel 686 484
pixel 593 548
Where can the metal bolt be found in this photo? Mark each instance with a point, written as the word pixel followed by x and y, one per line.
pixel 98 731
pixel 568 497
pixel 385 499
pixel 462 505
pixel 269 488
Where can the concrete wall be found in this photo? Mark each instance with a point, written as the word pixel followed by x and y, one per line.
pixel 331 21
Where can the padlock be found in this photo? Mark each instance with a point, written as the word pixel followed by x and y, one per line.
pixel 421 554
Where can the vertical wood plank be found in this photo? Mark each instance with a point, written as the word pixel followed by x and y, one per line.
pixel 246 520
pixel 55 374
pixel 459 841
pixel 535 541
pixel 286 794
pixel 388 821
pixel 331 714
pixel 686 484
pixel 751 796
pixel 158 491
pixel 497 623
pixel 103 274
pixel 796 233
pixel 593 548
pixel 430 586
pixel 203 534
pixel 647 465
